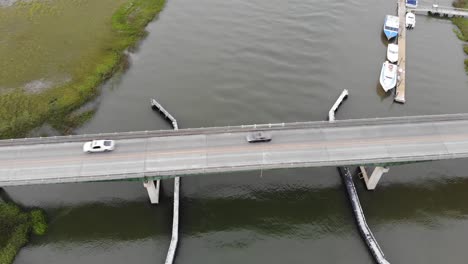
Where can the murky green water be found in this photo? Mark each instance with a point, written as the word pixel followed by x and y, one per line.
pixel 237 62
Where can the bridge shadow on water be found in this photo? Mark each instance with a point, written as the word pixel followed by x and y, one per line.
pixel 277 211
pixel 120 221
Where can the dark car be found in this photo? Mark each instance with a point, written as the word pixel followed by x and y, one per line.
pixel 258 137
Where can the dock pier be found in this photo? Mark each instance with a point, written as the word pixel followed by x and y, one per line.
pixel 401 79
pixel 443 11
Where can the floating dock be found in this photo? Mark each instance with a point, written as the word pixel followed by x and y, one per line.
pixel 157 106
pixel 401 81
pixel 331 113
pixel 175 224
pixel 175 219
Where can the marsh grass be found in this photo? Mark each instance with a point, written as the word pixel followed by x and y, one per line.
pixel 74 120
pixel 20 112
pixel 462 25
pixel 38 222
pixel 15 228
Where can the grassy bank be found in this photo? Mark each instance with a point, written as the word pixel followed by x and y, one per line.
pixel 15 229
pixel 462 24
pixel 85 59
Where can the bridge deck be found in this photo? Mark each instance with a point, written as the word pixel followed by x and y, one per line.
pixel 192 152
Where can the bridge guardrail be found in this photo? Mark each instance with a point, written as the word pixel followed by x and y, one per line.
pixel 237 129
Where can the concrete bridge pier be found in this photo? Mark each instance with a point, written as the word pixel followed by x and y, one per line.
pixel 153 190
pixel 371 182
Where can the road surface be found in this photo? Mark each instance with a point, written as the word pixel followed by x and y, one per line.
pixel 168 156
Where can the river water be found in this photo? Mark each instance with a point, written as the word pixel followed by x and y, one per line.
pixel 215 63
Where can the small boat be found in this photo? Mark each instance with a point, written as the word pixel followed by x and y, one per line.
pixel 388 76
pixel 410 20
pixel 391 25
pixel 392 52
pixel 412 3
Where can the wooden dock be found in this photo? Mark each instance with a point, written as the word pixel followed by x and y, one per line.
pixel 443 11
pixel 401 82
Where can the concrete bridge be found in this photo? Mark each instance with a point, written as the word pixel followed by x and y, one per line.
pixel 166 154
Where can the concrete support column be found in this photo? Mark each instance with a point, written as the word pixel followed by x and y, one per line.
pixel 371 182
pixel 153 190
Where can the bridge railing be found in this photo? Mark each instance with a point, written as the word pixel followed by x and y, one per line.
pixel 237 129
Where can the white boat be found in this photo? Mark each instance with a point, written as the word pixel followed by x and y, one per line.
pixel 388 76
pixel 410 20
pixel 392 52
pixel 391 25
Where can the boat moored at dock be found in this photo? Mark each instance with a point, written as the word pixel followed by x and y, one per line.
pixel 410 20
pixel 392 52
pixel 391 25
pixel 388 76
pixel 412 3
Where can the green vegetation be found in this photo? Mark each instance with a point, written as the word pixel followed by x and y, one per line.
pixel 73 120
pixel 41 50
pixel 38 222
pixel 15 227
pixel 462 24
pixel 460 3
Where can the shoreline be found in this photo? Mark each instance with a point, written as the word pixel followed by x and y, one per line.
pixel 462 25
pixel 22 112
